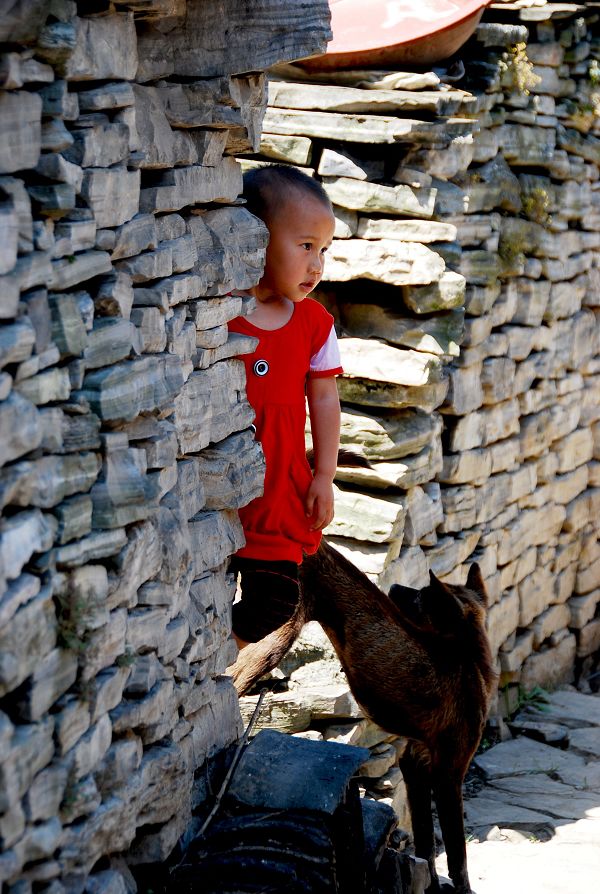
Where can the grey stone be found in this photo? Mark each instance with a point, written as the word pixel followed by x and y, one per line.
pixel 87 264
pixel 73 236
pixel 149 264
pixel 518 757
pixel 21 591
pixel 104 645
pixel 135 236
pixel 189 185
pixel 109 96
pixel 55 137
pixel 114 296
pixel 573 709
pixel 72 721
pixel 88 549
pixel 126 389
pixel 105 48
pixel 165 147
pixel 30 636
pixel 119 763
pixel 363 128
pixel 296 150
pixel 193 51
pixel 132 714
pixel 138 562
pixel 22 535
pixel 214 536
pixel 9 235
pixel 47 481
pixel 101 144
pixel 53 675
pixel 232 472
pixel 20 142
pixel 123 493
pixel 210 406
pixel 40 841
pixel 16 342
pixel 46 387
pixel 361 196
pixel 447 292
pixel 46 792
pixel 110 341
pixel 113 194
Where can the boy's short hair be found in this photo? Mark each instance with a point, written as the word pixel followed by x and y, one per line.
pixel 267 187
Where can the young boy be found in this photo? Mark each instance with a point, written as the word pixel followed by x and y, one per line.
pixel 297 358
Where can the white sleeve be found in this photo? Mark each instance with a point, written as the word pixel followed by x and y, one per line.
pixel 327 359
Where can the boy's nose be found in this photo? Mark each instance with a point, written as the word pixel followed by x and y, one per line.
pixel 316 264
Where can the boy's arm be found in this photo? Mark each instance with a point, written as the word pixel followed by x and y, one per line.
pixel 324 410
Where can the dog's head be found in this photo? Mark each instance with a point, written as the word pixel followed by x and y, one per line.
pixel 443 609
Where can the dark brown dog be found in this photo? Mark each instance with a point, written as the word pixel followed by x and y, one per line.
pixel 419 664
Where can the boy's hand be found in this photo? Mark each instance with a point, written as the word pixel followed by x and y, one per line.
pixel 319 502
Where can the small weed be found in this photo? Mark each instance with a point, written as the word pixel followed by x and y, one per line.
pixel 533 698
pixel 510 249
pixel 517 70
pixel 71 628
pixel 126 659
pixel 536 205
pixel 87 690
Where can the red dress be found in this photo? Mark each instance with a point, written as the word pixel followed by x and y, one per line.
pixel 275 525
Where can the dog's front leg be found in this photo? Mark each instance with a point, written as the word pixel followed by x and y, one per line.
pixel 447 790
pixel 416 770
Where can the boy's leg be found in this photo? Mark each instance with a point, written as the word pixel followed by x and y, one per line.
pixel 270 593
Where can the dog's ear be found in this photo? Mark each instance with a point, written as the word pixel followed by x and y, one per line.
pixel 476 583
pixel 446 611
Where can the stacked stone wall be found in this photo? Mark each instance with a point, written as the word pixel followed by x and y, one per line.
pixel 125 447
pixel 464 278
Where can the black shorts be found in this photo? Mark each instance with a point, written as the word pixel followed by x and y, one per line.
pixel 270 593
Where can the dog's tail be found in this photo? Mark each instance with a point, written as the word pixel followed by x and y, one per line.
pixel 257 659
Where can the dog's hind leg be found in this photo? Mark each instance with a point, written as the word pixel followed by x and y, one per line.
pixel 416 770
pixel 447 790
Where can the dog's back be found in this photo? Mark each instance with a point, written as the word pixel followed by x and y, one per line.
pixel 419 663
pixel 420 667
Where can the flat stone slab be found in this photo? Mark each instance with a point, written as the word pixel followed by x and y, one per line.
pixel 521 756
pixel 288 773
pixel 565 706
pixel 585 776
pixel 574 806
pixel 585 741
pixel 483 811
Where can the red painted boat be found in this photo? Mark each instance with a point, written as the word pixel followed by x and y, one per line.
pixel 386 33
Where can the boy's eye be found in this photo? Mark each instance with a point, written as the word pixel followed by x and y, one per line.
pixel 323 250
pixel 307 245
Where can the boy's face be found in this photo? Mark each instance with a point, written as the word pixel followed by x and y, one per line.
pixel 301 231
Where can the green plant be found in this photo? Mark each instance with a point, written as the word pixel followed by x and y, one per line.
pixel 517 70
pixel 511 250
pixel 126 659
pixel 71 629
pixel 536 205
pixel 533 698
